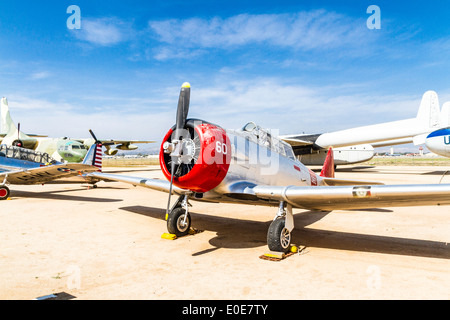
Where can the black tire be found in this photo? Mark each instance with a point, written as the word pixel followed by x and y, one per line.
pixel 278 237
pixel 175 222
pixel 4 193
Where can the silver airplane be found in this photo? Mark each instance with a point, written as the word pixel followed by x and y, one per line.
pixel 204 162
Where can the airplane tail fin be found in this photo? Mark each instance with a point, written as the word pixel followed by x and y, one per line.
pixel 94 156
pixel 429 113
pixel 328 165
pixel 7 125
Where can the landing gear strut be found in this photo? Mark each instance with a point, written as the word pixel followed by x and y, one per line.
pixel 279 233
pixel 179 219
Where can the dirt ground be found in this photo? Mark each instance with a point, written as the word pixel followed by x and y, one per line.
pixel 105 243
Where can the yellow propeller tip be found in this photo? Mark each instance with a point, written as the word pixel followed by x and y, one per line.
pixel 186 85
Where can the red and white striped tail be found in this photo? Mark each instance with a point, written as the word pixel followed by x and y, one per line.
pixel 98 157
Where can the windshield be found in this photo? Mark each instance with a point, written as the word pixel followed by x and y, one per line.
pixel 264 137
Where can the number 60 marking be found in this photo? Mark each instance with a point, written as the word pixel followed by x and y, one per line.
pixel 221 147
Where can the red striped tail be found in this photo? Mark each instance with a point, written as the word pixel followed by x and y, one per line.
pixel 98 156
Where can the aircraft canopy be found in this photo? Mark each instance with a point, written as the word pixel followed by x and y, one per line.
pixel 25 154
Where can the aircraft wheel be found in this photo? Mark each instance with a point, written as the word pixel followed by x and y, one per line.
pixel 175 221
pixel 278 237
pixel 4 193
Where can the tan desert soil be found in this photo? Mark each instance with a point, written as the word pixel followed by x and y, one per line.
pixel 106 243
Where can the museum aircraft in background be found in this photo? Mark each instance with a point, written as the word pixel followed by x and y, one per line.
pixel 429 127
pixel 205 162
pixel 20 166
pixel 61 149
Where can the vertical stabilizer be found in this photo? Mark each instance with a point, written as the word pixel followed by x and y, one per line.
pixel 6 123
pixel 328 165
pixel 94 156
pixel 429 113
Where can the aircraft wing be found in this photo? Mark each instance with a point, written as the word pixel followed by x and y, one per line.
pixel 300 140
pixel 46 173
pixel 114 142
pixel 318 198
pixel 355 197
pixel 155 184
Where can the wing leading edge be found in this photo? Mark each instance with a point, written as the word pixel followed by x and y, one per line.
pixel 46 173
pixel 155 184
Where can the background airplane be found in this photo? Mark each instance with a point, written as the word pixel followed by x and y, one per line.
pixel 204 162
pixel 25 166
pixel 360 141
pixel 61 149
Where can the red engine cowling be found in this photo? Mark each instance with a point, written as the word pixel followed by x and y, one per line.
pixel 206 157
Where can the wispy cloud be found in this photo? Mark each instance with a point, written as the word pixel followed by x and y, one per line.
pixel 271 102
pixel 294 108
pixel 103 31
pixel 40 75
pixel 306 30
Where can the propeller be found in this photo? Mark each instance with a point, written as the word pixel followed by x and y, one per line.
pixel 18 142
pixel 183 105
pixel 176 145
pixel 93 136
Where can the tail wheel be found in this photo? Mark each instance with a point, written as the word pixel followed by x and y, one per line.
pixel 178 223
pixel 278 236
pixel 4 193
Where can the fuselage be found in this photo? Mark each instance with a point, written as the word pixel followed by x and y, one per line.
pixel 233 160
pixel 257 158
pixel 15 158
pixel 439 142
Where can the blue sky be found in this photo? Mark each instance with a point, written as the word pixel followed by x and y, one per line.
pixel 297 66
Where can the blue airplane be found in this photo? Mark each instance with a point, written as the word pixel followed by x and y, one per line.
pixel 24 167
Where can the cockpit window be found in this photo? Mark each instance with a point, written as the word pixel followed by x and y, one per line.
pixel 264 138
pixel 249 127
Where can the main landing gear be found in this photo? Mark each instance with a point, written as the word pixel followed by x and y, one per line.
pixel 278 236
pixel 279 233
pixel 4 192
pixel 179 219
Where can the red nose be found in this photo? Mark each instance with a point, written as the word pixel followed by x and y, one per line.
pixel 204 160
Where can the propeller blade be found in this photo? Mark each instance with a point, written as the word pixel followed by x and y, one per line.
pixel 93 135
pixel 182 113
pixel 183 105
